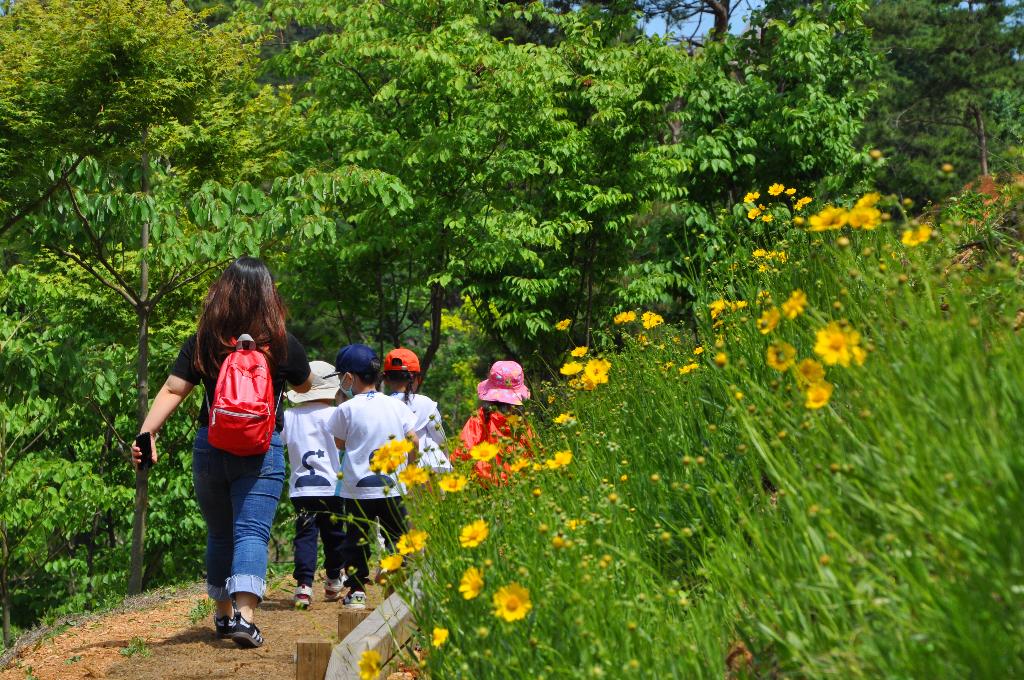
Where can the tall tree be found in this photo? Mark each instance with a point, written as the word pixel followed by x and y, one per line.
pixel 948 69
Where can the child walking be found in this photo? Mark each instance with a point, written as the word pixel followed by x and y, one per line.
pixel 498 421
pixel 403 379
pixel 314 462
pixel 364 422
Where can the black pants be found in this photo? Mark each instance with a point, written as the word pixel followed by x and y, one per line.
pixel 323 515
pixel 390 512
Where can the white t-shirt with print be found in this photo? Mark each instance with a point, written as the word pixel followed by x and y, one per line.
pixel 430 431
pixel 365 423
pixel 312 453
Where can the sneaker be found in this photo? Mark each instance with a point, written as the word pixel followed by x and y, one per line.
pixel 245 634
pixel 223 626
pixel 333 588
pixel 355 600
pixel 303 597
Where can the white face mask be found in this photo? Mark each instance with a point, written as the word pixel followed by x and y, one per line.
pixel 348 391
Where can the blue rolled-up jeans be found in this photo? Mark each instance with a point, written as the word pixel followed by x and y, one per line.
pixel 238 497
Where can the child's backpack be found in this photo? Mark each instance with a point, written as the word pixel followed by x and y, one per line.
pixel 242 416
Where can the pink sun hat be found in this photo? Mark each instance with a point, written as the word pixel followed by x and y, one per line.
pixel 505 383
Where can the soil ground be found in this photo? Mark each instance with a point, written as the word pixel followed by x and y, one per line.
pixel 101 647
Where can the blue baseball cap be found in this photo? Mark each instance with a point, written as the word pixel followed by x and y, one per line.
pixel 358 359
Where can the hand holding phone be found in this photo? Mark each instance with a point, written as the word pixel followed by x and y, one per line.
pixel 144 445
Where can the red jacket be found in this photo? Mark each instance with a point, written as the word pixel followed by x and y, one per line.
pixel 493 427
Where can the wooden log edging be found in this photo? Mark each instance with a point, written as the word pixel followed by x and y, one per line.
pixel 385 630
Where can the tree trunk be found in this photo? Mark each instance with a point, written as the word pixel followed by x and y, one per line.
pixel 135 571
pixel 979 130
pixel 5 593
pixel 436 306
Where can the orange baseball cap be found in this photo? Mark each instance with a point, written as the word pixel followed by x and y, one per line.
pixel 401 359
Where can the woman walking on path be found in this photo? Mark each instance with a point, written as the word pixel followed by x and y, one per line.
pixel 237 494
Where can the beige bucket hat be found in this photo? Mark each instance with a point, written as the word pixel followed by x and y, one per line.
pixel 323 387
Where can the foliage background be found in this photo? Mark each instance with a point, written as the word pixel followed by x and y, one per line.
pixel 455 177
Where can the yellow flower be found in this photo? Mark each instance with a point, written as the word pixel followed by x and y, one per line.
pixel 472 583
pixel 473 534
pixel 391 562
pixel 519 465
pixel 439 637
pixel 721 359
pixel 512 602
pixel 809 372
pixel 390 456
pixel 834 344
pixel 596 373
pixel 688 368
pixel 781 356
pixel 452 483
pixel 652 320
pixel 828 219
pixel 484 451
pixel 739 304
pixel 776 189
pixel 579 351
pixel 864 218
pixel 760 252
pixel 561 459
pixel 801 202
pixel 369 665
pixel 791 191
pixel 794 306
pixel 753 213
pixel 767 217
pixel 868 200
pixel 412 542
pixel 717 307
pixel 624 317
pixel 571 368
pixel 563 418
pixel 698 350
pixel 818 394
pixel 769 320
pixel 574 524
pixel 751 197
pixel 563 325
pixel 414 475
pixel 915 237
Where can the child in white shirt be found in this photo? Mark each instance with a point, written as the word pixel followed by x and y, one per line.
pixel 361 425
pixel 403 378
pixel 313 458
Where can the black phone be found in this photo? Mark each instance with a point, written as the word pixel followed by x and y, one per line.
pixel 145 443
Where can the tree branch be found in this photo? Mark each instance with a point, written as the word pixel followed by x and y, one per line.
pixel 126 290
pixel 174 283
pixel 77 259
pixel 31 207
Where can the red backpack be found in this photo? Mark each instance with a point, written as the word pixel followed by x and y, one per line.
pixel 242 416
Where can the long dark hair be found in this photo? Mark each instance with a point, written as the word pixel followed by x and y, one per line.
pixel 408 377
pixel 242 300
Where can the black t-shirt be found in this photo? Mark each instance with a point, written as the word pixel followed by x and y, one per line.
pixel 294 370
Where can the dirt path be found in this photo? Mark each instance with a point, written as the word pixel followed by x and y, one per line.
pixel 172 647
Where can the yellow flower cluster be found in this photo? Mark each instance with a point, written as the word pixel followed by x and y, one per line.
pixel 593 374
pixel 863 215
pixel 414 475
pixel 721 305
pixel 624 317
pixel 651 320
pixel 560 460
pixel 915 237
pixel 412 541
pixel 390 456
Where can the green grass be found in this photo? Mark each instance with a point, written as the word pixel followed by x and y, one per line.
pixel 203 610
pixel 880 536
pixel 136 647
